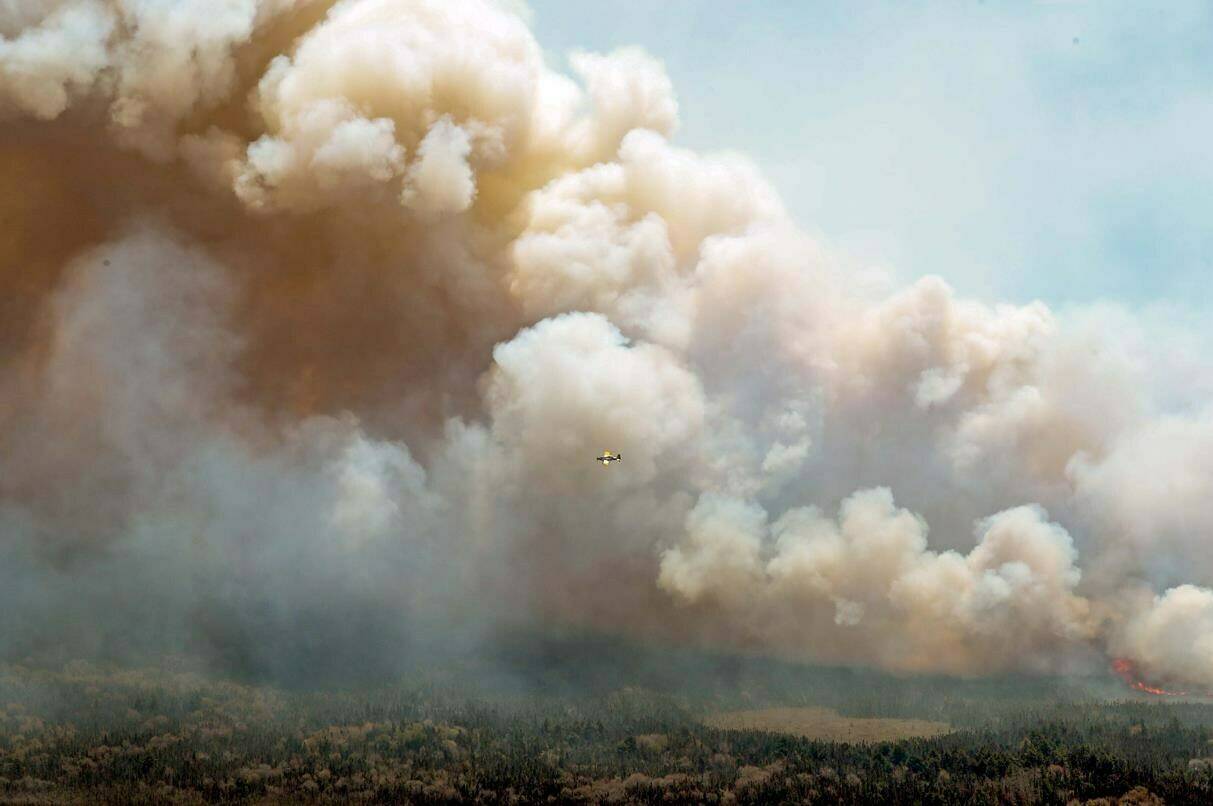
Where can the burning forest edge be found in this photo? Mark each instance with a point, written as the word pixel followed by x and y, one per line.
pixel 1126 670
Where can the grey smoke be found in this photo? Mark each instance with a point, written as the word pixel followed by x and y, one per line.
pixel 320 310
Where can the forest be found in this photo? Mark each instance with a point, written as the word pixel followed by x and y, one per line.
pixel 592 723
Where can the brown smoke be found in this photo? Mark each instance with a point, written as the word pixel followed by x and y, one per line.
pixel 315 313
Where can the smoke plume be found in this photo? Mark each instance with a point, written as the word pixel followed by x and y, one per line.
pixel 314 315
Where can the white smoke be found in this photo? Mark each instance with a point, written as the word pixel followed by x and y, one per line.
pixel 1172 636
pixel 344 297
pixel 1009 602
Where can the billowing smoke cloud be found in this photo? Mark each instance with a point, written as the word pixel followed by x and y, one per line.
pixel 315 314
pixel 870 589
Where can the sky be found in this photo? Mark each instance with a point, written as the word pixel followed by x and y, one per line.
pixel 1047 150
pixel 312 323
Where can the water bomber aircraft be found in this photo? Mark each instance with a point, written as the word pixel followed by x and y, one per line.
pixel 608 457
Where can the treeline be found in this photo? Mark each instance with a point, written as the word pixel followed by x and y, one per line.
pixel 83 735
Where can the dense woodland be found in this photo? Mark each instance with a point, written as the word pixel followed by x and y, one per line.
pixel 82 733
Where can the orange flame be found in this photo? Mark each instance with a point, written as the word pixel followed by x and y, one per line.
pixel 1127 672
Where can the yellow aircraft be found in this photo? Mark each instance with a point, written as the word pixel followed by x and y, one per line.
pixel 608 457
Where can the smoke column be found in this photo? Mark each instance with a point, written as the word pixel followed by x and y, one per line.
pixel 314 315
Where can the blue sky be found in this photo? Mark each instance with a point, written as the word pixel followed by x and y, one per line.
pixel 975 140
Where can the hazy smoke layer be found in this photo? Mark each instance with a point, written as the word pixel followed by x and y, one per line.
pixel 314 315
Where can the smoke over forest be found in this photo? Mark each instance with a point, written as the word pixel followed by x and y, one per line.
pixel 314 314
